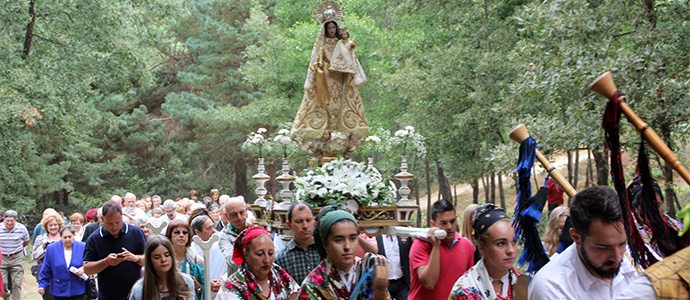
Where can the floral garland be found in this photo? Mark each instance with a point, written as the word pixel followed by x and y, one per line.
pixel 338 181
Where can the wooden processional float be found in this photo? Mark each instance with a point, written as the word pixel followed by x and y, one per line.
pixel 520 134
pixel 604 86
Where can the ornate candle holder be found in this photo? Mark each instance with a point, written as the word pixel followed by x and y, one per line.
pixel 404 177
pixel 285 179
pixel 261 179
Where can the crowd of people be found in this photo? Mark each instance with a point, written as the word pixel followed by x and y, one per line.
pixel 322 258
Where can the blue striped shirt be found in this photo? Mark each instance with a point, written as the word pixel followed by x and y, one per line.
pixel 12 242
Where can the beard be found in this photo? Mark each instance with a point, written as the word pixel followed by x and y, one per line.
pixel 599 270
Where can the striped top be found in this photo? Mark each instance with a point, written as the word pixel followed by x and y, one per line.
pixel 12 242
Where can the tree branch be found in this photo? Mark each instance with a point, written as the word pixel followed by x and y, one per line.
pixel 48 40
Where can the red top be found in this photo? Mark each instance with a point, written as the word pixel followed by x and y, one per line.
pixel 555 192
pixel 455 261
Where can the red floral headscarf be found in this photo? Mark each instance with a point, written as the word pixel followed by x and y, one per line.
pixel 246 237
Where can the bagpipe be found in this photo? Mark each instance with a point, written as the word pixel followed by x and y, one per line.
pixel 528 209
pixel 667 238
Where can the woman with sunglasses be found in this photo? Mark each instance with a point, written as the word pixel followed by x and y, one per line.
pixel 180 235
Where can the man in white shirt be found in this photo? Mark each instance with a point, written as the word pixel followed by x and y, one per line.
pixel 202 226
pixel 397 252
pixel 170 214
pixel 595 266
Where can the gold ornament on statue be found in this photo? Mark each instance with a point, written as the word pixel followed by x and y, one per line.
pixel 329 11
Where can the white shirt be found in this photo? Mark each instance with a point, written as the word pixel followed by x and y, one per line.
pixel 167 219
pixel 566 277
pixel 392 248
pixel 347 277
pixel 68 256
pixel 640 289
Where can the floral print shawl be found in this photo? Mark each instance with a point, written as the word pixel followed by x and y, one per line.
pixel 243 285
pixel 476 284
pixel 324 282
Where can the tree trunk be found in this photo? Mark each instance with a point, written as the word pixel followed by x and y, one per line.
pixel 492 182
pixel 241 187
pixel 671 198
pixel 485 183
pixel 534 175
pixel 28 37
pixel 475 190
pixel 602 162
pixel 272 184
pixel 428 192
pixel 588 171
pixel 455 196
pixel 443 184
pixel 500 190
pixel 570 168
pixel 416 194
pixel 576 166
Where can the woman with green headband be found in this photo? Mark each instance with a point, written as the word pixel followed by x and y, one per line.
pixel 336 238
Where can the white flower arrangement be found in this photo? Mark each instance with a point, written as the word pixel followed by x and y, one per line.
pixel 409 135
pixel 257 138
pixel 283 138
pixel 340 180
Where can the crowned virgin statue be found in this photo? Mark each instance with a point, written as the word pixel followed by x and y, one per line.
pixel 331 119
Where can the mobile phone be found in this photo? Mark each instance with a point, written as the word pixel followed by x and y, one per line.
pixel 120 255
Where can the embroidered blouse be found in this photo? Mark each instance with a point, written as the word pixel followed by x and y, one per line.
pixel 243 285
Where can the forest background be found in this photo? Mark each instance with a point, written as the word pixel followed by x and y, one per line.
pixel 157 96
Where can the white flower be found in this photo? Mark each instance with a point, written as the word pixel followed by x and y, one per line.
pixel 401 133
pixel 284 132
pixel 409 129
pixel 373 138
pixel 261 130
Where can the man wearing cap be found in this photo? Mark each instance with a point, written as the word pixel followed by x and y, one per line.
pixel 93 227
pixel 13 238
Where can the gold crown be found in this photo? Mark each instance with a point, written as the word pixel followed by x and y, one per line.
pixel 328 11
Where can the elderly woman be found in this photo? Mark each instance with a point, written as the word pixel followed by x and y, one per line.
pixel 493 277
pixel 77 221
pixel 336 238
pixel 60 258
pixel 180 234
pixel 258 277
pixel 161 279
pixel 52 223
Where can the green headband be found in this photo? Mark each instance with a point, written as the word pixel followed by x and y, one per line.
pixel 328 216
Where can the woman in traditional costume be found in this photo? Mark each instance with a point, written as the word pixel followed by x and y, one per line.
pixel 493 277
pixel 331 116
pixel 258 277
pixel 336 238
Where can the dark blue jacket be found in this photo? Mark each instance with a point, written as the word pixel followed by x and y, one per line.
pixel 55 273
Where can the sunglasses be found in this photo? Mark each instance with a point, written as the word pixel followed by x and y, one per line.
pixel 183 232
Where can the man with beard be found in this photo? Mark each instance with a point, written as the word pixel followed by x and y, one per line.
pixel 596 265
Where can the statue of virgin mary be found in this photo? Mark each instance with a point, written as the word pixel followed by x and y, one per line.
pixel 330 120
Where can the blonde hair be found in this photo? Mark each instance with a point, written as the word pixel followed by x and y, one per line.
pixel 551 237
pixel 50 217
pixel 466 230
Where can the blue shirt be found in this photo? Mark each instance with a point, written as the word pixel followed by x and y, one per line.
pixel 115 282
